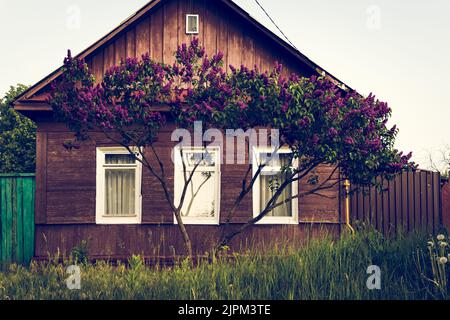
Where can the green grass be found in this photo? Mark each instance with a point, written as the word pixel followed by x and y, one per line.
pixel 323 269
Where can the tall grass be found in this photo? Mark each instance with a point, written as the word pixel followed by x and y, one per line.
pixel 322 269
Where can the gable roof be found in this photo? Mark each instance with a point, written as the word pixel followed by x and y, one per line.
pixel 39 105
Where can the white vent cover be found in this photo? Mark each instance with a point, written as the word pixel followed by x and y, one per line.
pixel 192 23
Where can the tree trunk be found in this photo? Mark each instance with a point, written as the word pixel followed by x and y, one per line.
pixel 186 238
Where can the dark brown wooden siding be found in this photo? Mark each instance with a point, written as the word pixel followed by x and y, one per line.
pixel 67 183
pixel 165 241
pixel 65 201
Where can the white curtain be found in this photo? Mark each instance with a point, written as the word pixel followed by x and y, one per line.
pixel 269 183
pixel 120 186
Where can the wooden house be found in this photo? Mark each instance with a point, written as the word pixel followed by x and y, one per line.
pixel 70 186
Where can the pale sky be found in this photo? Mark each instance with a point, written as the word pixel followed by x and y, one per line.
pixel 397 49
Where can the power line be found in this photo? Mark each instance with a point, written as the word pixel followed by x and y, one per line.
pixel 279 29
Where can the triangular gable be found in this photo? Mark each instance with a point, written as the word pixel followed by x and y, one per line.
pixel 34 100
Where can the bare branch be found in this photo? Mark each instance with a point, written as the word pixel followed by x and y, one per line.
pixel 161 166
pixel 273 201
pixel 187 182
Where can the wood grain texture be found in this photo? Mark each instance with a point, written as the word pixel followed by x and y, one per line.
pixel 41 177
pixel 411 201
pixel 16 219
pixel 170 30
pixel 122 241
pixel 445 205
pixel 71 184
pixel 143 32
pixel 131 43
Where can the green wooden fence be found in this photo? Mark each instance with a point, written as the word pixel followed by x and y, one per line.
pixel 16 218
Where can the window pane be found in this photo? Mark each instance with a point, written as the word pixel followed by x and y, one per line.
pixel 199 201
pixel 120 192
pixel 278 160
pixel 268 187
pixel 192 24
pixel 205 159
pixel 120 159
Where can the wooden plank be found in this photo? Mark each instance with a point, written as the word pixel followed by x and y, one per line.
pixel 268 58
pixel 184 8
pixel 143 37
pixel 131 44
pixel 379 207
pixel 210 22
pixel 423 200
pixel 235 44
pixel 360 203
pixel 222 39
pixel 373 206
pixel 170 25
pixel 2 220
pixel 157 40
pixel 28 218
pixel 8 220
pixel 398 203
pixel 391 199
pixel 248 51
pixel 441 185
pixel 385 199
pixel 430 217
pixel 405 203
pixel 417 201
pixel 109 57
pixel 13 217
pixel 366 205
pixel 121 49
pixel 41 178
pixel 353 204
pixel 392 207
pixel 436 201
pixel 411 198
pixel 198 7
pixel 98 66
pixel 19 256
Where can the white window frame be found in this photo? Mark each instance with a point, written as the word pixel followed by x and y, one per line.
pixel 187 23
pixel 179 184
pixel 294 219
pixel 101 218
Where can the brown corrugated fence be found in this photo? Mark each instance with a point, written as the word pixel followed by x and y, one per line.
pixel 411 201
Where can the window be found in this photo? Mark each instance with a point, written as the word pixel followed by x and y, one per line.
pixel 270 178
pixel 202 202
pixel 118 187
pixel 192 23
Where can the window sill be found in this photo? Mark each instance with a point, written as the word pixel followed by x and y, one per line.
pixel 119 217
pixel 198 222
pixel 278 221
pixel 118 220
